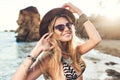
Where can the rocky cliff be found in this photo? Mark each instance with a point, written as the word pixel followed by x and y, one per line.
pixel 28 22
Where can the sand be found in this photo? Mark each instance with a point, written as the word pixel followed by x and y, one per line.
pixel 111 47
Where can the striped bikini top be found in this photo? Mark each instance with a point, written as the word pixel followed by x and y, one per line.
pixel 69 72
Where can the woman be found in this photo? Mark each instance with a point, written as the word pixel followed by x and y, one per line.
pixel 61 52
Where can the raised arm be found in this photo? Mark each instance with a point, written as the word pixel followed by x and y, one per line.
pixel 94 37
pixel 25 71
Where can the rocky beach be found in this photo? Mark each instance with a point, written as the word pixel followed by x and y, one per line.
pixel 103 62
pixel 19 33
pixel 110 47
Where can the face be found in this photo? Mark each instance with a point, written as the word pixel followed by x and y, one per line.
pixel 62 29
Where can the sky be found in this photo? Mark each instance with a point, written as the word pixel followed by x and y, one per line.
pixel 9 9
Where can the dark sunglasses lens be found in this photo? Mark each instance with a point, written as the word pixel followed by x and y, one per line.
pixel 68 25
pixel 60 27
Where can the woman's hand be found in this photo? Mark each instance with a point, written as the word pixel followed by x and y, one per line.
pixel 72 8
pixel 43 44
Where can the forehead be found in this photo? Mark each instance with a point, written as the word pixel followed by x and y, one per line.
pixel 61 20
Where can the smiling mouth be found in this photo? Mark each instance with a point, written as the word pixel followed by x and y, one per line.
pixel 67 34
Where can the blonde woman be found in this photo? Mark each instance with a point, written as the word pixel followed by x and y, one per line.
pixel 61 51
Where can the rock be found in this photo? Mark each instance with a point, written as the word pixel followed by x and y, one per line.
pixel 28 21
pixel 110 63
pixel 5 30
pixel 12 30
pixel 114 74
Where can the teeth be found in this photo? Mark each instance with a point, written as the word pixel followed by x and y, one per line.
pixel 67 34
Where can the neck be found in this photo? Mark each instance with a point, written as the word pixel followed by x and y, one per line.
pixel 64 46
pixel 65 52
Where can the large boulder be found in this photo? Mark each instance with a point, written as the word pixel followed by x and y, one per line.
pixel 28 21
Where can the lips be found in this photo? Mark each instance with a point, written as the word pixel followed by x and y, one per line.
pixel 67 34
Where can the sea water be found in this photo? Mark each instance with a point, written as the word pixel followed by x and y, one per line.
pixel 12 54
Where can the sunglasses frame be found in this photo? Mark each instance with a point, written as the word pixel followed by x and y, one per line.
pixel 61 27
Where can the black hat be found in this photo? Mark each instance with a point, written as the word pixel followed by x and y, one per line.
pixel 49 16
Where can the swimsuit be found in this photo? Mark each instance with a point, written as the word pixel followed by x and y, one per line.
pixel 69 71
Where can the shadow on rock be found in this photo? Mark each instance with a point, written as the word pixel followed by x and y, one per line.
pixel 114 75
pixel 110 63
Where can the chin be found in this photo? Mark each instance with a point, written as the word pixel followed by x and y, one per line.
pixel 66 39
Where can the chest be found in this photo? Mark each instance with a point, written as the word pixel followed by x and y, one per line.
pixel 59 75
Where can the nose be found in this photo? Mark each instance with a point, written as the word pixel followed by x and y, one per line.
pixel 66 28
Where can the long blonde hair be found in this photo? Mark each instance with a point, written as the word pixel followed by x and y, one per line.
pixel 57 51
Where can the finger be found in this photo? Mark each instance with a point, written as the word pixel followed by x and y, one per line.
pixel 66 6
pixel 52 47
pixel 45 35
pixel 49 36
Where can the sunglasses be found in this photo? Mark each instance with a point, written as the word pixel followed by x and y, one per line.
pixel 61 27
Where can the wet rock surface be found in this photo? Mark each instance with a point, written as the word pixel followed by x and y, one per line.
pixel 115 75
pixel 101 66
pixel 110 63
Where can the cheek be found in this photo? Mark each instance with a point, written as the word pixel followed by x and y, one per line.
pixel 63 38
pixel 57 34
